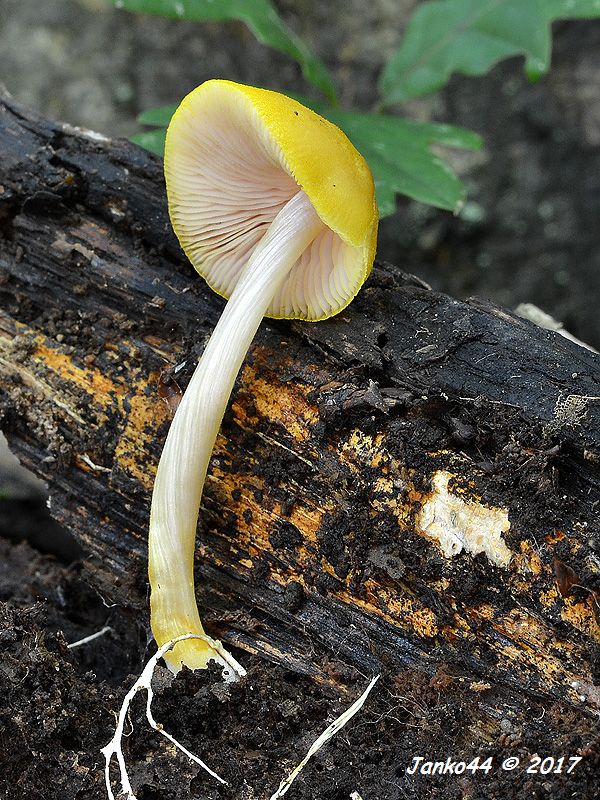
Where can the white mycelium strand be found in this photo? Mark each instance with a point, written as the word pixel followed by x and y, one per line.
pixel 144 682
pixel 189 444
pixel 329 732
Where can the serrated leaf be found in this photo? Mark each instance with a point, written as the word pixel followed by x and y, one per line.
pixel 151 140
pixel 469 37
pixel 399 154
pixel 259 15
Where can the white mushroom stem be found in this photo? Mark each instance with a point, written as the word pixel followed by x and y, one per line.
pixel 190 441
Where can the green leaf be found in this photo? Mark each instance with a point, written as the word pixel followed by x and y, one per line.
pixel 469 37
pixel 259 15
pixel 399 154
pixel 151 140
pixel 161 115
pixel 560 9
pixel 569 9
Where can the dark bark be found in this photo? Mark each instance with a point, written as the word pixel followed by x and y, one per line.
pixel 316 539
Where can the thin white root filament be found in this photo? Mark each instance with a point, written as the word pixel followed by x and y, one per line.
pixel 90 638
pixel 327 734
pixel 113 748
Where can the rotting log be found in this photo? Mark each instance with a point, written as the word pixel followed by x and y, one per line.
pixel 414 483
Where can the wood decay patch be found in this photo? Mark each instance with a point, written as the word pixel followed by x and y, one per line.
pixel 264 403
pixel 286 420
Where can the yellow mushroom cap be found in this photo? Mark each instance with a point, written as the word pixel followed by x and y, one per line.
pixel 234 156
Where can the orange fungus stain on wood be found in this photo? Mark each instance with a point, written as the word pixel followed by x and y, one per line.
pixel 138 413
pixel 100 389
pixel 135 445
pixel 279 402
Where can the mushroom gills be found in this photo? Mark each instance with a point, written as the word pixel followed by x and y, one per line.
pixel 184 461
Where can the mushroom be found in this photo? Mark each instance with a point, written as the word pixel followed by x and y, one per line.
pixel 276 210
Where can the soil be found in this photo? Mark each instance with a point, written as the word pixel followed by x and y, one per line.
pixel 59 707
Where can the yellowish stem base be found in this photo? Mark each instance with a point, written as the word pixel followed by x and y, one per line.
pixel 194 653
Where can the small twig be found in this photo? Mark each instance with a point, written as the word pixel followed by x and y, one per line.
pixel 327 734
pixel 96 467
pixel 277 443
pixel 90 638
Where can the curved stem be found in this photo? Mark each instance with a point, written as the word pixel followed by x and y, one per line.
pixel 190 441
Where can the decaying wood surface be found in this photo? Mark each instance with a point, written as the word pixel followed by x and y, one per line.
pixel 413 484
